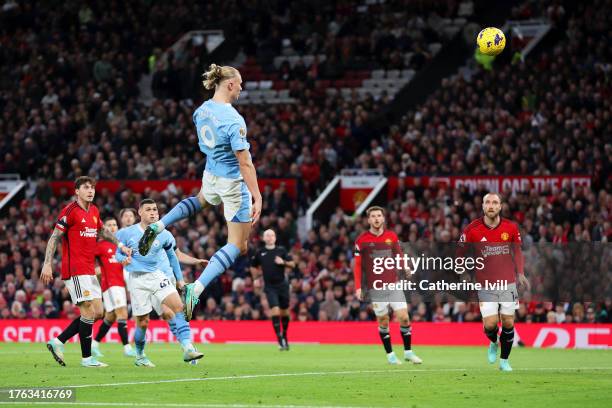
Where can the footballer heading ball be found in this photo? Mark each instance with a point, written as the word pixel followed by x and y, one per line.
pixel 491 41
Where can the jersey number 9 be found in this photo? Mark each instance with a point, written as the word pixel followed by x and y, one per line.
pixel 208 136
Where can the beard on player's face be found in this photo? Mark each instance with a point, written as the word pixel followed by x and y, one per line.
pixel 492 212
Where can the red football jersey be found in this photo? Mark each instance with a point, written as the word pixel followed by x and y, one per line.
pixel 499 246
pixel 387 237
pixel 80 229
pixel 112 270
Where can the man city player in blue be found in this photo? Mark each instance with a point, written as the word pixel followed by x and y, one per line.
pixel 176 279
pixel 229 178
pixel 149 285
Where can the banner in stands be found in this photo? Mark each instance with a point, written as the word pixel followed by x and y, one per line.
pixel 494 183
pixel 188 186
pixel 355 189
pixel 583 336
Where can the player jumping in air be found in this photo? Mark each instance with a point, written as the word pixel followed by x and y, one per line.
pixel 113 293
pixel 498 241
pixel 229 178
pixel 378 234
pixel 78 227
pixel 149 285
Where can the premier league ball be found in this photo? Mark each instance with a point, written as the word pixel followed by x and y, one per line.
pixel 491 41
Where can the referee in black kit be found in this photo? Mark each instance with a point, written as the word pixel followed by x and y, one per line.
pixel 273 260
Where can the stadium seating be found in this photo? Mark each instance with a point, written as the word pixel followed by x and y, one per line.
pixel 355 59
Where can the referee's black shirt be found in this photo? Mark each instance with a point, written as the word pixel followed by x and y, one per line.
pixel 273 274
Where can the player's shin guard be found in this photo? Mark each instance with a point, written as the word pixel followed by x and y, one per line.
pixel 85 331
pixel 220 261
pixel 172 326
pixel 277 328
pixel 104 328
pixel 385 337
pixel 491 334
pixel 140 338
pixel 183 331
pixel 71 330
pixel 185 209
pixel 506 339
pixel 122 329
pixel 406 336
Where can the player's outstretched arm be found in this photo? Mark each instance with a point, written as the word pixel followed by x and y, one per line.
pixel 47 270
pixel 190 260
pixel 249 174
pixel 107 236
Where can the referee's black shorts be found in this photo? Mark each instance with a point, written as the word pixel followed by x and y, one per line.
pixel 278 295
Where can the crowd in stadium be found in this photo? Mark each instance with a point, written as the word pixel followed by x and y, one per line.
pixel 543 117
pixel 85 118
pixel 322 281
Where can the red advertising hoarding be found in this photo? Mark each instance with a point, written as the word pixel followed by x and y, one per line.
pixel 583 336
pixel 495 183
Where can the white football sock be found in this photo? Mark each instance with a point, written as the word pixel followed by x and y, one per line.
pixel 198 288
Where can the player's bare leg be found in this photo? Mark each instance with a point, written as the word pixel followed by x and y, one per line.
pixel 188 207
pixel 90 312
pixel 490 329
pixel 385 337
pixel 238 233
pixel 172 313
pixel 142 322
pixel 506 340
pixel 406 332
pixel 284 317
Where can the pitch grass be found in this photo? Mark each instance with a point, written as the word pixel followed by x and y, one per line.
pixel 239 375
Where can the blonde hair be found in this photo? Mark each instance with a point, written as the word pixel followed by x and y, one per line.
pixel 216 74
pixel 375 208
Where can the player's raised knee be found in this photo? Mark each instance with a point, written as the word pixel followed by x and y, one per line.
pixel 244 247
pixel 383 321
pixel 178 307
pixel 404 320
pixel 168 314
pixel 142 322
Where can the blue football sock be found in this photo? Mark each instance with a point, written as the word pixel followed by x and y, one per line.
pixel 185 209
pixel 172 325
pixel 220 261
pixel 140 337
pixel 183 331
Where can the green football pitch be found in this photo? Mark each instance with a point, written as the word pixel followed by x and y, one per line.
pixel 241 375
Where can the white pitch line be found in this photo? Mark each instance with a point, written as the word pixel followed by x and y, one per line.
pixel 253 376
pixel 322 373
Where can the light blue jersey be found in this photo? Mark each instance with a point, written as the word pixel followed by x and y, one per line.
pixel 160 254
pixel 171 266
pixel 221 132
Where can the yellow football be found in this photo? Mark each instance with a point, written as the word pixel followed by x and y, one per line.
pixel 491 41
